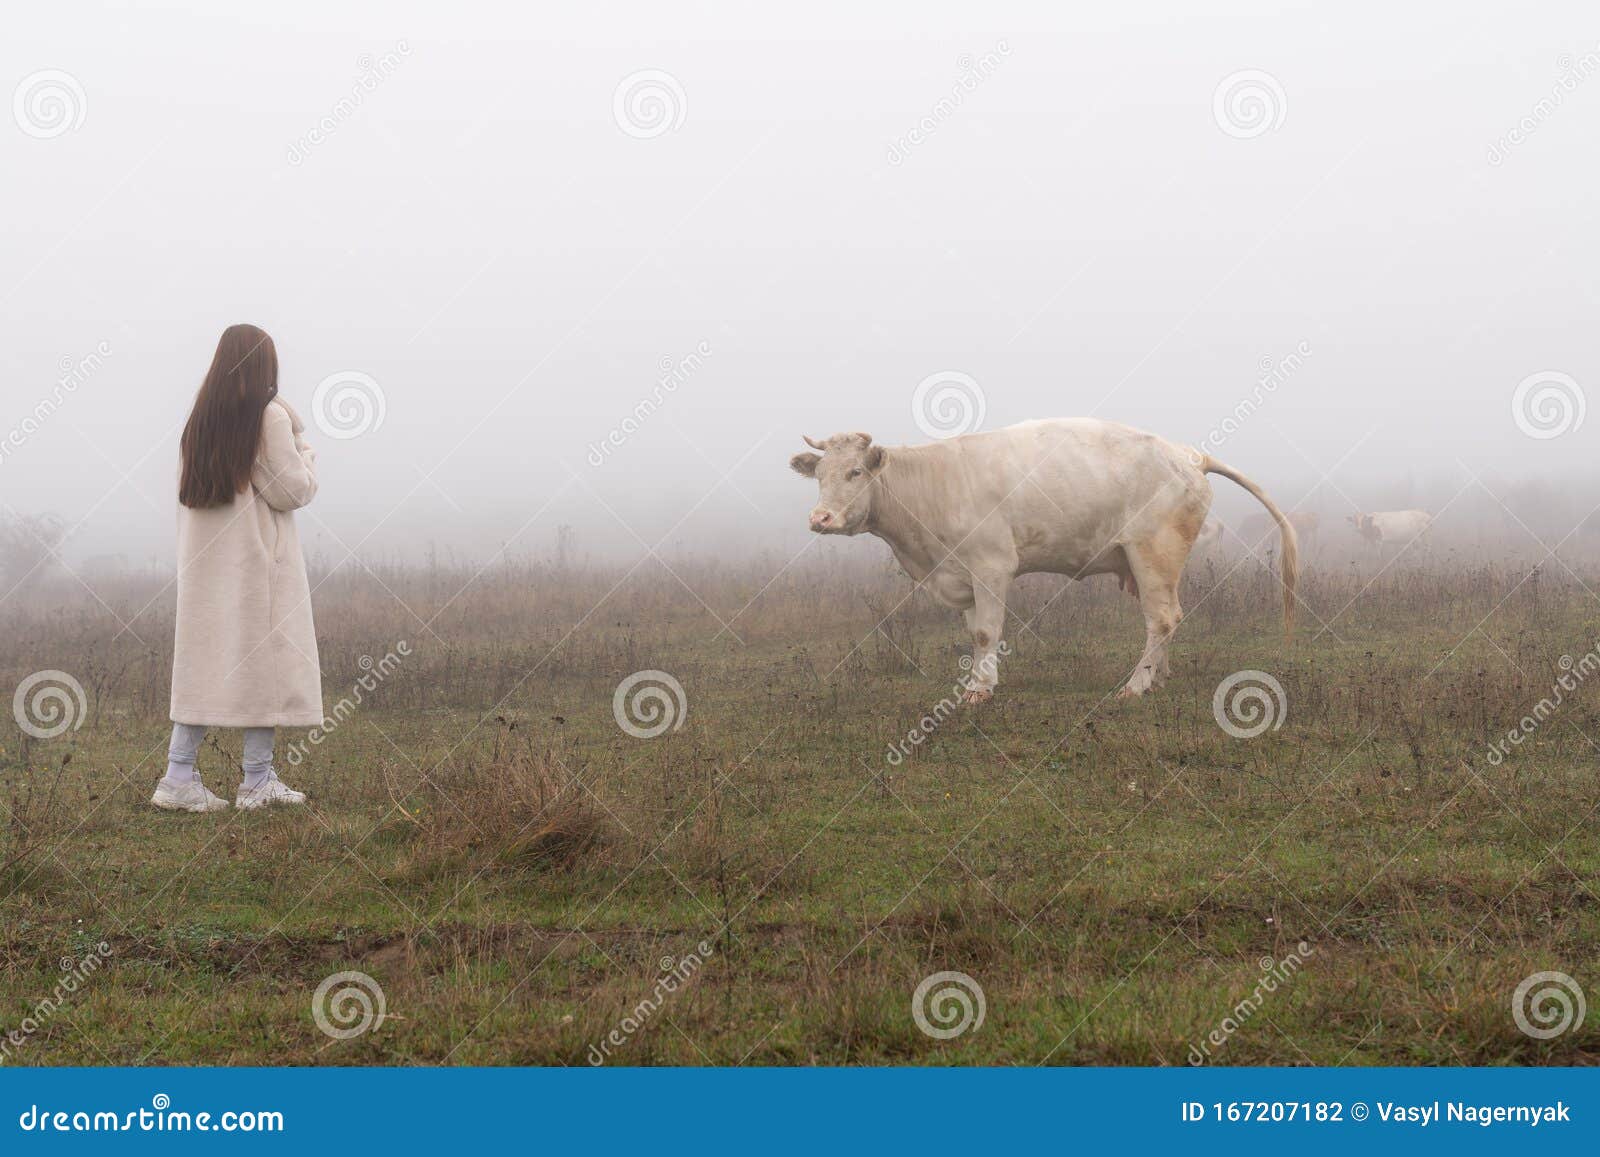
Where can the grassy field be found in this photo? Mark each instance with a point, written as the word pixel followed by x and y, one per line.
pixel 518 874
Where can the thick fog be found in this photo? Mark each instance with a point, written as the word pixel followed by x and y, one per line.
pixel 602 267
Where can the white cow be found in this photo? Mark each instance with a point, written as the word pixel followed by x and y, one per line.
pixel 1391 526
pixel 1072 496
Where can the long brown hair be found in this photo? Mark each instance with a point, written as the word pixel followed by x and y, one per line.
pixel 219 442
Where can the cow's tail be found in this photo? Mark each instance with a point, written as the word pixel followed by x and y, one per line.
pixel 1291 546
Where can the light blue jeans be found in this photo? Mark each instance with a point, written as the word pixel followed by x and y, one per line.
pixel 187 737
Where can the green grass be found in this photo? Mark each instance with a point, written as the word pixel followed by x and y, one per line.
pixel 1111 874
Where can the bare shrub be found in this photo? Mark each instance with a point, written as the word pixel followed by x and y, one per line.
pixel 517 807
pixel 28 543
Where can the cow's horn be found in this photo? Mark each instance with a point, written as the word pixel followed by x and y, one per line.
pixel 813 443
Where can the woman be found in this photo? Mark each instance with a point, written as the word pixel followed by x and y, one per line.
pixel 246 649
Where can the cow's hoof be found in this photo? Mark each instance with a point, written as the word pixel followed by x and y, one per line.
pixel 1129 693
pixel 976 695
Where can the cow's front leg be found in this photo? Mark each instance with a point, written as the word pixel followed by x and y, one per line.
pixel 986 620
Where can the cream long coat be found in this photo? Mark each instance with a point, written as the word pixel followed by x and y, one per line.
pixel 246 649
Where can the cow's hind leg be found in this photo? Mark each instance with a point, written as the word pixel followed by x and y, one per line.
pixel 1157 566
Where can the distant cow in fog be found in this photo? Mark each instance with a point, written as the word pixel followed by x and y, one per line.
pixel 1387 527
pixel 1306 524
pixel 1072 496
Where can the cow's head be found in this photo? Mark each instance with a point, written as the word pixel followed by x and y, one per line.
pixel 844 472
pixel 1363 524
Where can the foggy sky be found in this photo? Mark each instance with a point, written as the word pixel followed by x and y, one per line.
pixel 845 200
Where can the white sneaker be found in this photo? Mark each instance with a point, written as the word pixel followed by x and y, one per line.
pixel 186 797
pixel 272 790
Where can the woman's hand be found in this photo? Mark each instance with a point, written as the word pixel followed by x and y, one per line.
pixel 285 471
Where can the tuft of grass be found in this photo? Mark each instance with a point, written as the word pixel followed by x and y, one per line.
pixel 517 807
pixel 33 819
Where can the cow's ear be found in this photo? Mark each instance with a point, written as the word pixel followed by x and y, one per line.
pixel 805 464
pixel 874 458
